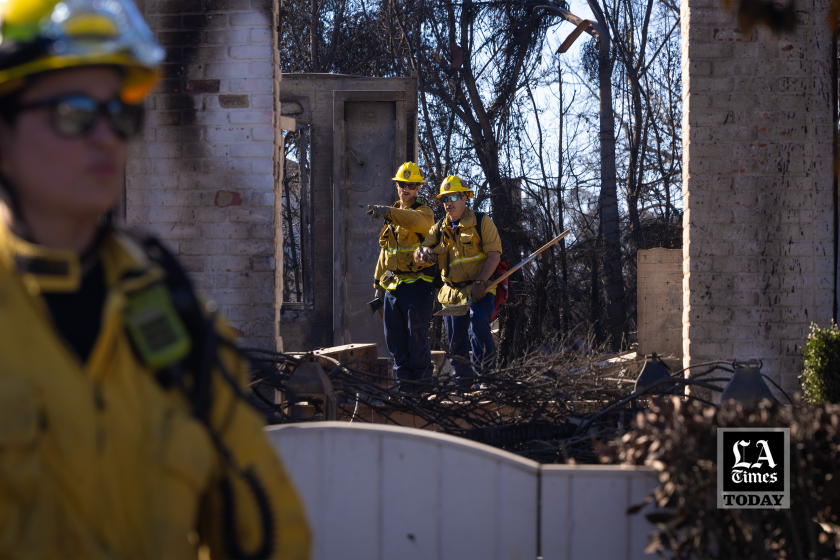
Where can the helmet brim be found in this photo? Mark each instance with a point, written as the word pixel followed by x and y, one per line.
pixel 401 180
pixel 137 83
pixel 469 194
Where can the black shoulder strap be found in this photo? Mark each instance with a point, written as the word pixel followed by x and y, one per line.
pixel 479 219
pixel 388 223
pixel 439 227
pixel 202 335
pixel 203 358
pixel 415 206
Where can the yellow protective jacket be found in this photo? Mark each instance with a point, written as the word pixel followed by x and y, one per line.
pixel 399 239
pixel 98 460
pixel 466 253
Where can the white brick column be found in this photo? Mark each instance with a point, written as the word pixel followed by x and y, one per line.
pixel 202 177
pixel 757 139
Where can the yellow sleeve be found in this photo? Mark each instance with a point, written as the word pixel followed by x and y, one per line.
pixel 380 269
pixel 419 220
pixel 490 240
pixel 431 237
pixel 240 429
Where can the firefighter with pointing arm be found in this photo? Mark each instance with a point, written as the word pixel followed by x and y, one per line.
pixel 403 285
pixel 124 431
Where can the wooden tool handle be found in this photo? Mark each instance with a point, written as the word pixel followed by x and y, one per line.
pixel 526 261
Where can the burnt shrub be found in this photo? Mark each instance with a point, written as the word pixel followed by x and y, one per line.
pixel 679 440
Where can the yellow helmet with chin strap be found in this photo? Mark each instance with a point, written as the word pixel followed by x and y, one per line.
pixel 37 36
pixel 453 184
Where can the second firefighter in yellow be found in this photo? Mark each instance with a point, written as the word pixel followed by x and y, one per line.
pixel 404 286
pixel 468 248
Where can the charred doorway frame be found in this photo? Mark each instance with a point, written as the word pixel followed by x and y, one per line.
pixel 340 97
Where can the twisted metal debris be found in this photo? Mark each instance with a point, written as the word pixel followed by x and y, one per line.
pixel 551 408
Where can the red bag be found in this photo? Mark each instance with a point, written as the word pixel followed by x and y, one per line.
pixel 502 289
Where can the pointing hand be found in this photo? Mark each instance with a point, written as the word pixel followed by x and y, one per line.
pixel 377 212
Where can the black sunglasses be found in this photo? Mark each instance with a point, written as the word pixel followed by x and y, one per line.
pixel 73 116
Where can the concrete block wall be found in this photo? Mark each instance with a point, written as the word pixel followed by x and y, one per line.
pixel 202 177
pixel 758 227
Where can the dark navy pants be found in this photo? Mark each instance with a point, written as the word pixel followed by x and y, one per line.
pixel 408 312
pixel 471 332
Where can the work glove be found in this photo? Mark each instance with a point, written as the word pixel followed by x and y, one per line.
pixel 424 255
pixel 377 212
pixel 478 292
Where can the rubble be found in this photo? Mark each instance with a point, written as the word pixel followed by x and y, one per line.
pixel 550 408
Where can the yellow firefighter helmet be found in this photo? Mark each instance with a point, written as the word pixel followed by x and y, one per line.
pixel 453 184
pixel 409 173
pixel 37 36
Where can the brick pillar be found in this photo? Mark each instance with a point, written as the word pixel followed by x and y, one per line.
pixel 202 177
pixel 757 139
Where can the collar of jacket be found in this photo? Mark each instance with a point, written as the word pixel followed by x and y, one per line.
pixel 43 269
pixel 467 220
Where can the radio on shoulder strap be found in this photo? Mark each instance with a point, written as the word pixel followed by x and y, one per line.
pixel 171 331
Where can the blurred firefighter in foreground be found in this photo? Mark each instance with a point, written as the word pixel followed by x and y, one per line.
pixel 403 286
pixel 124 431
pixel 467 247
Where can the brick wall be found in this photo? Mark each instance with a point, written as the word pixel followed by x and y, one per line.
pixel 757 138
pixel 202 176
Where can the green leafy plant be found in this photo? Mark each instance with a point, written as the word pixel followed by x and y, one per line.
pixel 821 368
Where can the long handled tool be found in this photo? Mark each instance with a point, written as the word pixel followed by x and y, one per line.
pixel 460 310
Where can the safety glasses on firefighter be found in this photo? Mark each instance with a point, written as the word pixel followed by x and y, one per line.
pixel 409 186
pixel 74 116
pixel 451 198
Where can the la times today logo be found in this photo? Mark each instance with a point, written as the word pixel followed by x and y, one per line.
pixel 753 468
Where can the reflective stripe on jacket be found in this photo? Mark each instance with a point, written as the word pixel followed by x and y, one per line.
pixel 467 252
pixel 98 460
pixel 399 239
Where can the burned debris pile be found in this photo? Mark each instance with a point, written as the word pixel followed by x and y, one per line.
pixel 552 408
pixel 679 440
